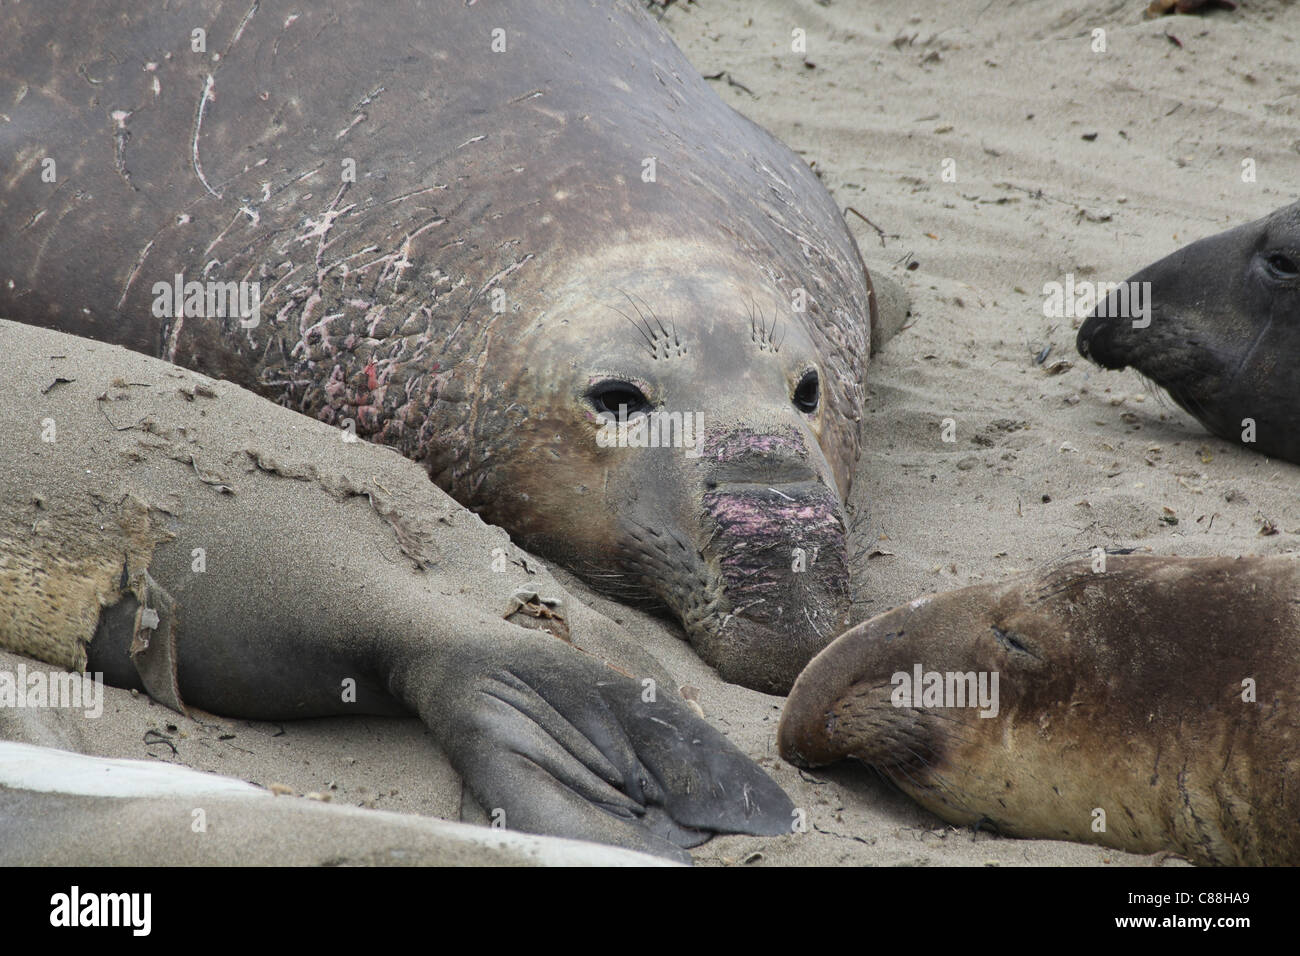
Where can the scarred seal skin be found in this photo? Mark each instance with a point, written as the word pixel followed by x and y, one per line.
pixel 1151 706
pixel 477 230
pixel 1222 333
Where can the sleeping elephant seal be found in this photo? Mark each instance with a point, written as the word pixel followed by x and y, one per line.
pixel 476 233
pixel 1222 332
pixel 187 538
pixel 1152 706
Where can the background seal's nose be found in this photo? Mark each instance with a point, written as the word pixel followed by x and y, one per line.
pixel 1096 340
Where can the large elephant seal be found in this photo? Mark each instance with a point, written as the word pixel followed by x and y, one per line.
pixel 1152 706
pixel 476 232
pixel 1221 334
pixel 187 538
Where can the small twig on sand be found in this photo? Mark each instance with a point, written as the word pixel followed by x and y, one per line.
pixel 731 80
pixel 880 232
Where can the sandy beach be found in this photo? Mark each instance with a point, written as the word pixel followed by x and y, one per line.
pixel 993 150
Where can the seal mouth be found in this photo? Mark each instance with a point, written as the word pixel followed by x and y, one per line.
pixel 782 564
pixel 766 589
pixel 753 561
pixel 840 704
pixel 1197 373
pixel 1096 342
pixel 1223 385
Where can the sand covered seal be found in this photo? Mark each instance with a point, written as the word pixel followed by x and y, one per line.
pixel 69 809
pixel 474 233
pixel 1152 706
pixel 1221 333
pixel 185 537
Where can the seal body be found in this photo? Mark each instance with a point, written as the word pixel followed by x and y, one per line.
pixel 68 809
pixel 1223 324
pixel 1151 706
pixel 476 233
pixel 184 537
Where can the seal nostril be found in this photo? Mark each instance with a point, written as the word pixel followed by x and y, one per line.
pixel 1096 342
pixel 1081 343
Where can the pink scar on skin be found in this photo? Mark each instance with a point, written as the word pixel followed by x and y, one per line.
pixel 756 533
pixel 734 445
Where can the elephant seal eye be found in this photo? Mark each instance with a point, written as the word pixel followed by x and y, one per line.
pixel 807 393
pixel 608 397
pixel 1282 266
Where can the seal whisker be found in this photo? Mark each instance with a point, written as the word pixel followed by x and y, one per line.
pixel 656 318
pixel 636 308
pixel 935 782
pixel 648 340
pixel 947 734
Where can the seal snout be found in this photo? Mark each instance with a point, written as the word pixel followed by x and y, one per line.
pixel 781 556
pixel 1101 337
pixel 743 457
pixel 1213 324
pixel 840 704
pixel 773 587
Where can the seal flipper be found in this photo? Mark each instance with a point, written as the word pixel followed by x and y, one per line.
pixel 707 783
pixel 134 645
pixel 551 741
pixel 153 643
